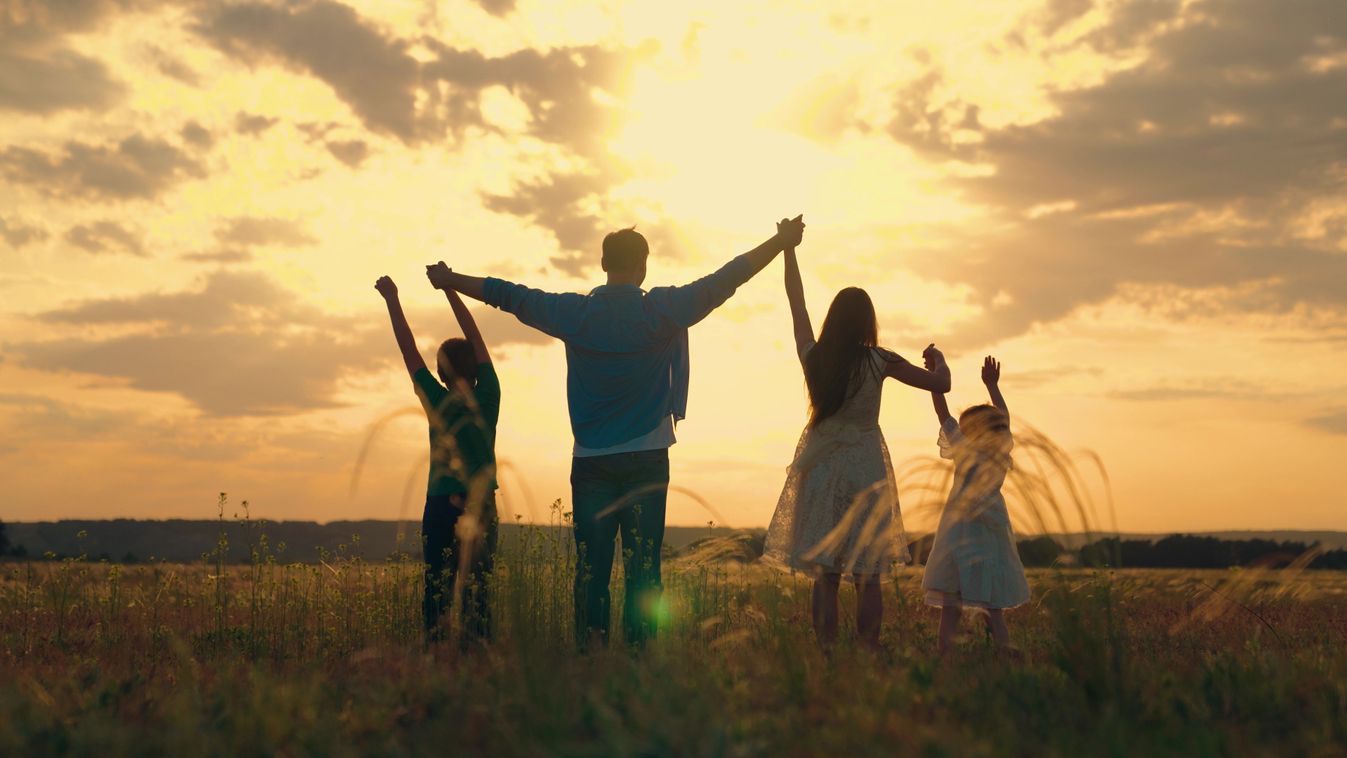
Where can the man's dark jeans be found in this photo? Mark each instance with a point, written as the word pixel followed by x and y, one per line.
pixel 626 493
pixel 444 556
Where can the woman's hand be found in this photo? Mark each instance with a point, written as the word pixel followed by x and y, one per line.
pixel 386 287
pixel 790 231
pixel 932 357
pixel 438 274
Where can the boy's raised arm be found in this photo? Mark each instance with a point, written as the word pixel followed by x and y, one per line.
pixel 406 342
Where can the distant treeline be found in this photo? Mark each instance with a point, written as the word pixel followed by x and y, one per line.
pixel 1177 551
pixel 185 541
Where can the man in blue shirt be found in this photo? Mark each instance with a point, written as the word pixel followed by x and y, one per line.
pixel 626 385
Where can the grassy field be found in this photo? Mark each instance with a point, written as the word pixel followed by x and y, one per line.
pixel 328 659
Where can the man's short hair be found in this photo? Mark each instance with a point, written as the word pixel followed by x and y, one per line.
pixel 625 250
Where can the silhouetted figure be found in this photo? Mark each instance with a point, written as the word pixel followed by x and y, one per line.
pixel 627 385
pixel 838 513
pixel 974 562
pixel 459 525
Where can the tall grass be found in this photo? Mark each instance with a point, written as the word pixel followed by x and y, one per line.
pixel 328 658
pixel 276 656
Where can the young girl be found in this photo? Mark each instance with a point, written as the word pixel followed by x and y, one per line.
pixel 838 513
pixel 973 560
pixel 462 409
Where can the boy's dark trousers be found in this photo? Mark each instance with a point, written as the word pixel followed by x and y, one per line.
pixel 622 493
pixel 443 556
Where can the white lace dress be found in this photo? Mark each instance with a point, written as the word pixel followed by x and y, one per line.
pixel 973 560
pixel 838 512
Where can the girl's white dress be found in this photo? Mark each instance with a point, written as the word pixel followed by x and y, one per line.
pixel 838 512
pixel 973 560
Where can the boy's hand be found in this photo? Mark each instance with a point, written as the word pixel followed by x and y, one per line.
pixel 386 287
pixel 932 357
pixel 438 274
pixel 791 231
pixel 991 371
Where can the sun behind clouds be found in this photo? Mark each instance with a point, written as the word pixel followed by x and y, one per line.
pixel 1138 206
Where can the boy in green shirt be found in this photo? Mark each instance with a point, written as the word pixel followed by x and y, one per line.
pixel 458 528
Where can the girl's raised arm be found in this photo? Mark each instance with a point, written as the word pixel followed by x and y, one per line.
pixel 469 326
pixel 941 406
pixel 991 376
pixel 799 314
pixel 934 378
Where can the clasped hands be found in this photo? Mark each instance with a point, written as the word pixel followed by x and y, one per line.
pixel 791 231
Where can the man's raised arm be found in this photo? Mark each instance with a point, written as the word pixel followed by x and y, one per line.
pixel 444 278
pixel 691 303
pixel 551 313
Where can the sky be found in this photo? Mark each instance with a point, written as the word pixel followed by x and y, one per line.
pixel 1139 207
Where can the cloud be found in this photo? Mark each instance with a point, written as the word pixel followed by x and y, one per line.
pixel 1195 168
pixel 222 255
pixel 172 66
pixel 497 8
pixel 563 204
pixel 436 94
pixel 258 231
pixel 55 81
pixel 1058 13
pixel 1209 389
pixel 39 72
pixel 238 237
pixel 423 97
pixel 18 234
pixel 238 345
pixel 105 236
pixel 350 152
pixel 1333 423
pixel 197 135
pixel 253 124
pixel 367 68
pixel 136 167
pixel 60 421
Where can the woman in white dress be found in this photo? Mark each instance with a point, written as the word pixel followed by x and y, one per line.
pixel 973 560
pixel 838 513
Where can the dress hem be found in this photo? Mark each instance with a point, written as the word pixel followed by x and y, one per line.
pixel 938 599
pixel 793 565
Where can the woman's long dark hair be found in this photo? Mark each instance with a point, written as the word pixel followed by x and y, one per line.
pixel 849 333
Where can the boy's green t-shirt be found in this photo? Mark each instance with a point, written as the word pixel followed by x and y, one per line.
pixel 462 433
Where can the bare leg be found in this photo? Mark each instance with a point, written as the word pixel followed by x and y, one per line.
pixel 825 609
pixel 950 616
pixel 996 624
pixel 869 610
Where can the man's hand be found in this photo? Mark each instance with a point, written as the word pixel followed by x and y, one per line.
pixel 386 287
pixel 991 371
pixel 932 357
pixel 790 231
pixel 438 274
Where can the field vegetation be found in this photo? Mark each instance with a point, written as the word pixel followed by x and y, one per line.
pixel 327 658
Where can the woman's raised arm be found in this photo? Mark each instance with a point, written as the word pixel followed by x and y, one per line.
pixel 799 314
